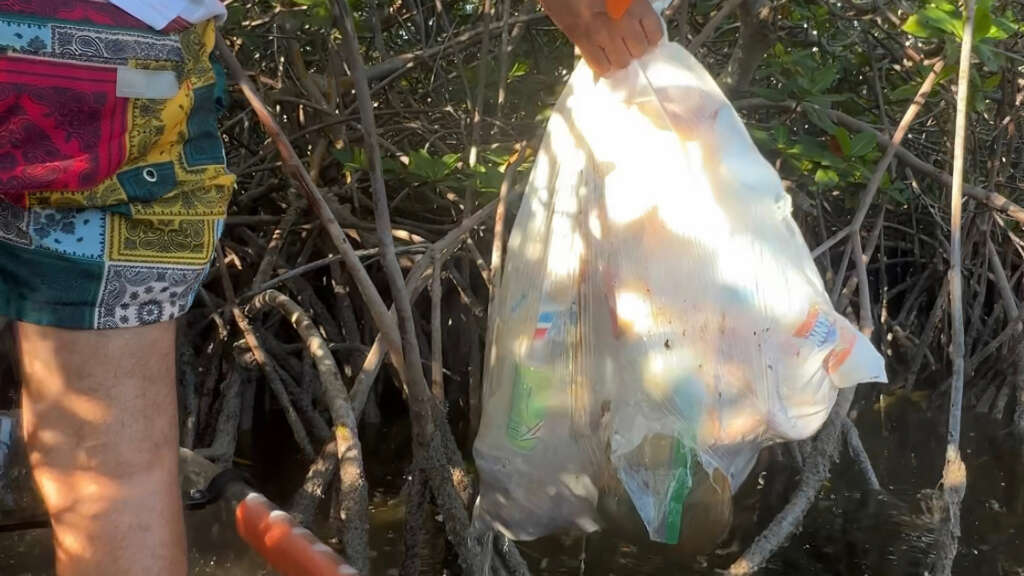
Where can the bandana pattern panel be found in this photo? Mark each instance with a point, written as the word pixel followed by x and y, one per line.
pixel 110 206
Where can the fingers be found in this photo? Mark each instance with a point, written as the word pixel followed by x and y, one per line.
pixel 652 29
pixel 650 23
pixel 596 58
pixel 634 38
pixel 607 44
pixel 617 52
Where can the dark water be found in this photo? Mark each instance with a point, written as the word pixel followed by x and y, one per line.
pixel 849 531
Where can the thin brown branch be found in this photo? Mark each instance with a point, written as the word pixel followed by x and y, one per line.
pixel 498 244
pixel 397 63
pixel 419 394
pixel 437 364
pixel 298 173
pixel 416 280
pixel 683 20
pixel 422 407
pixel 934 317
pixel 417 496
pixel 222 450
pixel 354 499
pixel 188 368
pixel 867 318
pixel 1018 389
pixel 503 53
pixel 315 425
pixel 213 372
pixel 815 473
pixel 314 487
pixel 481 263
pixel 859 455
pixel 1009 301
pixel 482 70
pixel 1012 327
pixel 316 264
pixel 267 365
pixel 378 37
pixel 756 35
pixel 728 6
pixel 465 293
pixel 954 472
pixel 267 265
pixel 854 281
pixel 343 308
pixel 868 196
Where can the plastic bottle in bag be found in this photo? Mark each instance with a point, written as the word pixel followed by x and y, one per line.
pixel 532 442
pixel 535 375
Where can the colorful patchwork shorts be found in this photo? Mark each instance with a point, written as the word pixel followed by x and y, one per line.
pixel 113 184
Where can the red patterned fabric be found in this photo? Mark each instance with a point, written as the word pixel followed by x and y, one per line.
pixel 179 24
pixel 61 126
pixel 82 11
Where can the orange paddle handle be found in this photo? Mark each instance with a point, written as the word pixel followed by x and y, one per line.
pixel 287 547
pixel 617 8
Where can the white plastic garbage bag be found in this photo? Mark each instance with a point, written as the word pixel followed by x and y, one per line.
pixel 660 310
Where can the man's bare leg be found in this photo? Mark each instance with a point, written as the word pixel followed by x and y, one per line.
pixel 100 416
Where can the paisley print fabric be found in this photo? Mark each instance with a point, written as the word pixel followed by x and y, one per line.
pixel 110 205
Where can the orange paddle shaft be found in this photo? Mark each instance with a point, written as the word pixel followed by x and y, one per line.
pixel 289 548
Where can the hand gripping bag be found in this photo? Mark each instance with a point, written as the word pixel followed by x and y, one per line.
pixel 661 318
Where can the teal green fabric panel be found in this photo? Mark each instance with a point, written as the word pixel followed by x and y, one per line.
pixel 48 289
pixel 204 146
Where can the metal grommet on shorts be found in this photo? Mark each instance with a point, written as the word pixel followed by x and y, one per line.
pixel 150 175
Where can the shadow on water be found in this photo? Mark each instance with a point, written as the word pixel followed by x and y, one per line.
pixel 849 531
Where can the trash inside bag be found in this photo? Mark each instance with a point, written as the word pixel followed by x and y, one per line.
pixel 661 317
pixel 707 520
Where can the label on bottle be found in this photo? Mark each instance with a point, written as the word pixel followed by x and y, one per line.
pixel 529 407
